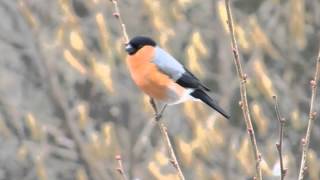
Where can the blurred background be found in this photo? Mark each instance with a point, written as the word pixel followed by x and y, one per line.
pixel 68 105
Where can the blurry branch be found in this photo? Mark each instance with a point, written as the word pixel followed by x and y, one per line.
pixel 282 122
pixel 59 101
pixel 120 168
pixel 57 97
pixel 243 91
pixel 165 136
pixel 11 121
pixel 142 138
pixel 312 117
pixel 117 15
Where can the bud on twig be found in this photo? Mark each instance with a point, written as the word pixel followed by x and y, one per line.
pixel 234 50
pixel 313 115
pixel 241 104
pixel 259 157
pixel 313 83
pixel 116 15
pixel 118 157
pixel 245 77
pixel 119 170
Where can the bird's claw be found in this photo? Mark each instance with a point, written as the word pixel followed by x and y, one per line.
pixel 158 117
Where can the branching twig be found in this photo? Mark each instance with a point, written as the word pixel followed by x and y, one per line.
pixel 165 136
pixel 120 168
pixel 243 91
pixel 282 122
pixel 117 15
pixel 312 117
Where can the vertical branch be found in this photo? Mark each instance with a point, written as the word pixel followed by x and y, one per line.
pixel 117 15
pixel 120 168
pixel 243 92
pixel 312 117
pixel 125 39
pixel 158 115
pixel 282 122
pixel 165 136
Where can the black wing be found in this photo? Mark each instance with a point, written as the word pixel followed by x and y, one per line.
pixel 188 80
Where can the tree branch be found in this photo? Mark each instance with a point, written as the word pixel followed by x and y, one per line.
pixel 312 117
pixel 243 92
pixel 120 168
pixel 165 136
pixel 117 15
pixel 158 114
pixel 282 122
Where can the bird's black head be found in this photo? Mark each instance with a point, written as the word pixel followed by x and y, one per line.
pixel 139 42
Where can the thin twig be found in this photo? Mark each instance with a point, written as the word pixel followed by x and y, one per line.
pixel 282 122
pixel 243 91
pixel 117 15
pixel 312 117
pixel 158 115
pixel 120 168
pixel 165 136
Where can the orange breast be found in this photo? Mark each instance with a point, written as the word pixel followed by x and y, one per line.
pixel 146 75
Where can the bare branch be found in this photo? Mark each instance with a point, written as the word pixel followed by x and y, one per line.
pixel 312 117
pixel 165 136
pixel 118 16
pixel 158 115
pixel 282 122
pixel 120 168
pixel 243 91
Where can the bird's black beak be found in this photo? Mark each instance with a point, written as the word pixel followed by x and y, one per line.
pixel 130 50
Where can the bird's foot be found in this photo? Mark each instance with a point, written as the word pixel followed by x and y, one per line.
pixel 158 117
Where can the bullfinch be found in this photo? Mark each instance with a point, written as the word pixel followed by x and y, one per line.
pixel 162 77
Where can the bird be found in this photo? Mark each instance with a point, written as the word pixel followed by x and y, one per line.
pixel 162 77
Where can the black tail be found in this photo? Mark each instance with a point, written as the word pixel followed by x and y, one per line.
pixel 200 94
